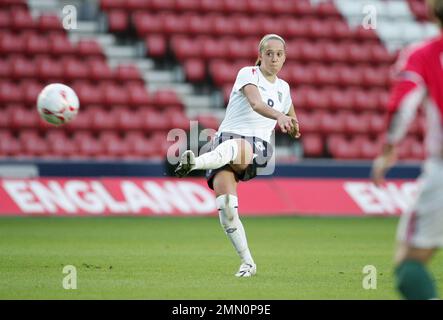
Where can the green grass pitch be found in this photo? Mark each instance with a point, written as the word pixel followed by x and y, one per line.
pixel 191 258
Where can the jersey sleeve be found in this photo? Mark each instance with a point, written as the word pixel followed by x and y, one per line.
pixel 246 76
pixel 406 95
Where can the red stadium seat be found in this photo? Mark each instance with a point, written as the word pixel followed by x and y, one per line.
pixel 23 68
pixel 327 9
pixel 75 69
pixel 128 72
pixel 356 52
pixel 154 121
pixel 90 147
pixel 187 5
pixel 281 7
pixel 349 76
pixel 195 70
pixel 49 69
pixel 377 124
pixel 49 22
pixel 31 89
pixel 198 24
pixel 356 124
pixel 340 30
pixel 296 28
pixel 115 95
pixel 178 119
pixel 316 99
pixel 146 24
pixel 166 98
pixel 213 49
pixel 5 20
pixel 10 43
pixel 323 75
pixel 61 46
pixel 248 26
pixel 138 95
pixel 333 52
pixel 312 51
pixel 99 70
pixel 341 99
pixel 332 123
pixel 319 29
pixel 173 24
pixel 312 145
pixel 340 148
pixel 162 5
pixel 369 149
pixel 10 93
pixel 364 100
pixel 22 19
pixel 156 45
pixel 113 4
pixel 128 120
pixel 89 94
pixel 89 48
pixel 310 122
pixel 207 6
pixel 223 25
pixel 186 48
pixel 302 75
pixel 118 21
pixel 234 6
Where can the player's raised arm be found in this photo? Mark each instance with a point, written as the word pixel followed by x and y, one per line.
pixel 406 96
pixel 286 123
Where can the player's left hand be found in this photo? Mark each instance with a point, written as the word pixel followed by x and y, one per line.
pixel 383 163
pixel 295 132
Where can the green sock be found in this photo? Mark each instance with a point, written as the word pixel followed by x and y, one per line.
pixel 414 282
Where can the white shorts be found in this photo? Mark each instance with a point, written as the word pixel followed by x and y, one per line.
pixel 422 225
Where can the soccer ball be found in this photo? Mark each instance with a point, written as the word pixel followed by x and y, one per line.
pixel 57 104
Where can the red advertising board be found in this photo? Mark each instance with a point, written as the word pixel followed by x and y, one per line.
pixel 185 197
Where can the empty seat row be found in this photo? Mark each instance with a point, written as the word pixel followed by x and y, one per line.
pixel 360 147
pixel 98 119
pixel 234 48
pixel 107 94
pixel 66 69
pixel 289 27
pixel 55 44
pixel 313 74
pixel 347 122
pixel 84 144
pixel 276 7
pixel 19 20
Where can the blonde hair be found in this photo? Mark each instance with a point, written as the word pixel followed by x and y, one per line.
pixel 266 38
pixel 436 9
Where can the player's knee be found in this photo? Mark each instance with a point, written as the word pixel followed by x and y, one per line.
pixel 227 205
pixel 244 155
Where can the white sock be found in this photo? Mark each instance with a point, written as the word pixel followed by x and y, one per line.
pixel 228 212
pixel 224 153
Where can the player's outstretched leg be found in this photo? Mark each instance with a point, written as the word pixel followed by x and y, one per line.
pixel 227 205
pixel 223 154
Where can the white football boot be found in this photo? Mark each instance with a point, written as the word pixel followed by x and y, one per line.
pixel 187 162
pixel 246 270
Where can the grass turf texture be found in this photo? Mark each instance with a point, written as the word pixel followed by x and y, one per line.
pixel 191 258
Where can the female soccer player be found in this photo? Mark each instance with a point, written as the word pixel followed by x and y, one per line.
pixel 420 230
pixel 258 100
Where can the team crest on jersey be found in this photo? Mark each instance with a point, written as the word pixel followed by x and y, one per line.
pixel 280 96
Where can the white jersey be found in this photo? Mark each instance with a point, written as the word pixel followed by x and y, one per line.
pixel 241 119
